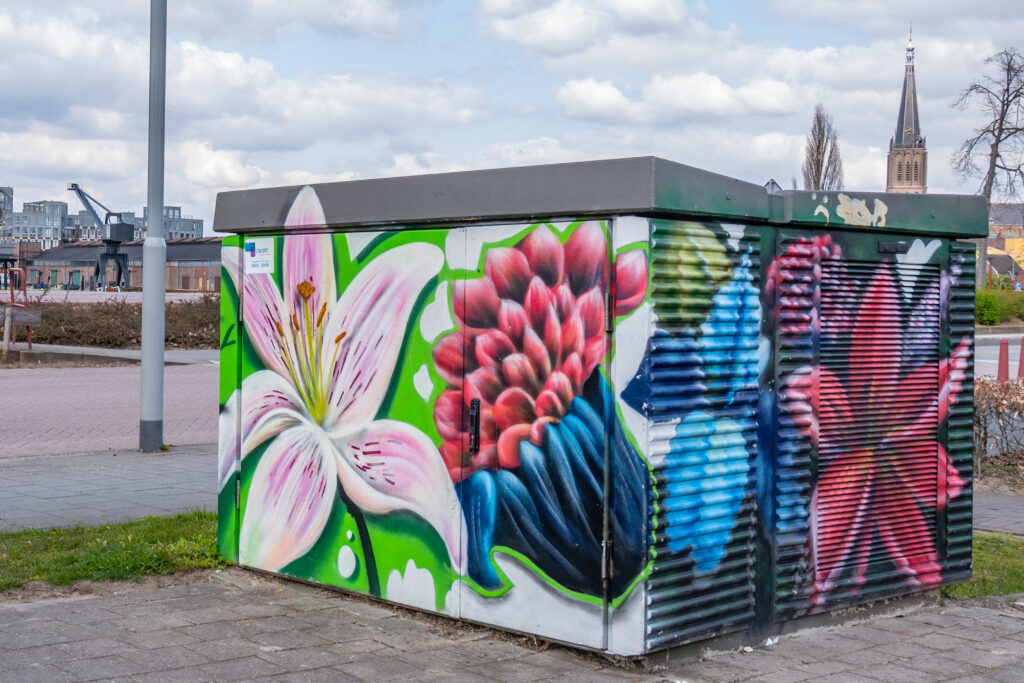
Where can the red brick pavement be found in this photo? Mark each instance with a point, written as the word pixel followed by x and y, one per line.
pixel 61 411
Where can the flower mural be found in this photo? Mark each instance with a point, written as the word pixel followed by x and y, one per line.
pixel 530 339
pixel 328 363
pixel 791 279
pixel 879 483
pixel 701 390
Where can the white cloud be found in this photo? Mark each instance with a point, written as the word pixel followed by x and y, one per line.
pixel 415 587
pixel 238 18
pixel 591 99
pixel 566 26
pixel 1000 20
pixel 245 104
pixel 671 98
pixel 203 165
pixel 300 177
pixel 38 152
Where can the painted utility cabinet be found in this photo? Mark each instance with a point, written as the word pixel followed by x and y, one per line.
pixel 623 404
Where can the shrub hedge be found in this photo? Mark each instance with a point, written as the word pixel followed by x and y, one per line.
pixel 117 324
pixel 998 420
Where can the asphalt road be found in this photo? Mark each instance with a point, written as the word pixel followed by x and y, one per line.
pixel 986 354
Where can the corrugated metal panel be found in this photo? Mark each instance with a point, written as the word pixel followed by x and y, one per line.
pixel 960 425
pixel 702 403
pixel 869 355
pixel 795 315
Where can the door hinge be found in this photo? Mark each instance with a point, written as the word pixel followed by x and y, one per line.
pixel 606 565
pixel 238 491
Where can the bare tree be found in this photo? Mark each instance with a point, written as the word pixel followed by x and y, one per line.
pixel 823 167
pixel 996 151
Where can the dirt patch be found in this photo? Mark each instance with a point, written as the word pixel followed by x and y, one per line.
pixel 36 591
pixel 1002 474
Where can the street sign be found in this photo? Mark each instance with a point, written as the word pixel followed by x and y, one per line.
pixel 22 316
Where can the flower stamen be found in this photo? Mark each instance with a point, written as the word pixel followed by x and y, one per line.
pixel 305 290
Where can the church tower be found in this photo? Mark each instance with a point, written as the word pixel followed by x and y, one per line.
pixel 908 157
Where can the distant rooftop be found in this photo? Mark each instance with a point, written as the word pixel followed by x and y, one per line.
pixel 1006 214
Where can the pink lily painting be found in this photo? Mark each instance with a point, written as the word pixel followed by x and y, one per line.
pixel 329 359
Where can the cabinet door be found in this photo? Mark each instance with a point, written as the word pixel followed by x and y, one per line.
pixel 866 372
pixel 532 327
pixel 342 478
pixel 701 402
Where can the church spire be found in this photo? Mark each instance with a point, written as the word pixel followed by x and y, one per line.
pixel 908 128
pixel 908 157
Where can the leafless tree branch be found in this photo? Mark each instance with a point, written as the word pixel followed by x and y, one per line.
pixel 995 153
pixel 823 166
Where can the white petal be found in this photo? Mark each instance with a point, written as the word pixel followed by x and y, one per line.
pixel 309 258
pixel 366 331
pixel 231 261
pixel 228 448
pixel 270 405
pixel 266 322
pixel 394 466
pixel 289 500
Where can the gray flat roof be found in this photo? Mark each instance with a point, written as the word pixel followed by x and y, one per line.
pixel 647 186
pixel 86 252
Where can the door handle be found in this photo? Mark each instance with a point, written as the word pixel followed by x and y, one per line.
pixel 474 426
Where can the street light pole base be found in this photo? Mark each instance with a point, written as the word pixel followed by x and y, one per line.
pixel 151 435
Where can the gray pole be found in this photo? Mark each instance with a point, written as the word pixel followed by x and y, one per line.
pixel 154 250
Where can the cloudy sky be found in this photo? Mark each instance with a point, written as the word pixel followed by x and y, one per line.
pixel 267 92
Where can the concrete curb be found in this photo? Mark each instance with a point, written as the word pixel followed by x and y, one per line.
pixel 25 356
pixel 1000 330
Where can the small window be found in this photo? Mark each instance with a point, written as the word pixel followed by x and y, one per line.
pixel 899 170
pixel 915 172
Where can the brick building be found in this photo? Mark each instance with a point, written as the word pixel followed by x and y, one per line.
pixel 193 265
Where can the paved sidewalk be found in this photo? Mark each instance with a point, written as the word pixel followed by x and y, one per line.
pixel 100 488
pixel 242 626
pixel 999 512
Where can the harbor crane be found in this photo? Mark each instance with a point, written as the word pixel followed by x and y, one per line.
pixel 115 231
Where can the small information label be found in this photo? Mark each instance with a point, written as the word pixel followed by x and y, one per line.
pixel 893 247
pixel 259 255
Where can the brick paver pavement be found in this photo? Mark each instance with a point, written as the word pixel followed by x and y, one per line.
pixel 241 626
pixel 57 411
pixel 99 488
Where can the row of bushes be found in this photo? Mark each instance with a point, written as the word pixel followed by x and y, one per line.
pixel 117 324
pixel 996 306
pixel 998 422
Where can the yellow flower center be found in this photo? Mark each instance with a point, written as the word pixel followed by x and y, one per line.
pixel 305 290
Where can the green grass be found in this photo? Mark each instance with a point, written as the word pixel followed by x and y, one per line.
pixel 998 568
pixel 118 552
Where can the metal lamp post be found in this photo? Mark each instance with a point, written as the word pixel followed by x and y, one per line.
pixel 154 249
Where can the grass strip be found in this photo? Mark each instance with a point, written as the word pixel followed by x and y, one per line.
pixel 115 552
pixel 998 568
